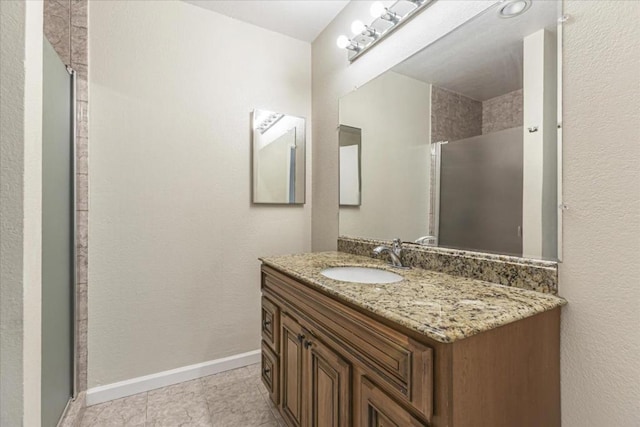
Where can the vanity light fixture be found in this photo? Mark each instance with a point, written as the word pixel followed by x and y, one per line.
pixel 378 10
pixel 386 20
pixel 359 28
pixel 271 120
pixel 513 8
pixel 344 42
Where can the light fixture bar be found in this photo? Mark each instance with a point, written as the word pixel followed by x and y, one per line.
pixel 375 35
pixel 271 120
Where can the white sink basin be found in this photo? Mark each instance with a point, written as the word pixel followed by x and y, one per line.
pixel 361 275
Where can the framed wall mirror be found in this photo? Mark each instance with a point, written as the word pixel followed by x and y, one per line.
pixel 461 143
pixel 350 171
pixel 278 154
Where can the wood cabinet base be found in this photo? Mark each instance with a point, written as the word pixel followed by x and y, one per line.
pixel 327 363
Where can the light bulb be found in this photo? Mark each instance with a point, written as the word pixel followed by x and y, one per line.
pixel 343 41
pixel 357 27
pixel 377 9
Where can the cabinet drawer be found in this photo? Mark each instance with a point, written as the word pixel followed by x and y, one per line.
pixel 270 373
pixel 271 325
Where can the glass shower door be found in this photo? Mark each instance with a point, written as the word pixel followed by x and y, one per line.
pixel 481 193
pixel 58 225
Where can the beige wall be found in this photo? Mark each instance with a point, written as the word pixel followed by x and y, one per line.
pixel 600 275
pixel 393 112
pixel 174 240
pixel 454 116
pixel 20 211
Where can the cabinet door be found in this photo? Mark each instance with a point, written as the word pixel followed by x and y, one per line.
pixel 379 410
pixel 328 386
pixel 291 354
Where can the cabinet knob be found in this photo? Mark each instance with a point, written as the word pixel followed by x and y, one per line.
pixel 301 337
pixel 266 372
pixel 307 344
pixel 266 323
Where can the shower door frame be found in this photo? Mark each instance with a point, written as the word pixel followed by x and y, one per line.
pixel 74 230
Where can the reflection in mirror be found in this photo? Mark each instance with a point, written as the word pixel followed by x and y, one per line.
pixel 278 158
pixel 460 142
pixel 350 139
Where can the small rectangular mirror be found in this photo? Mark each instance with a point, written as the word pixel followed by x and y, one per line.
pixel 350 139
pixel 278 158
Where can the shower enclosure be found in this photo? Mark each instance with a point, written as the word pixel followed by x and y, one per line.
pixel 480 193
pixel 58 237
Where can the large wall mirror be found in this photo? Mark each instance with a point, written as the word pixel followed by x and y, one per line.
pixel 278 158
pixel 460 144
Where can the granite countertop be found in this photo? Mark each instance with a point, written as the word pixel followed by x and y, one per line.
pixel 440 306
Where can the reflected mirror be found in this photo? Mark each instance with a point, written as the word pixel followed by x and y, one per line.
pixel 460 144
pixel 278 158
pixel 350 138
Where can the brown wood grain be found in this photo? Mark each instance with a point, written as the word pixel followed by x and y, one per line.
pixel 379 410
pixel 270 373
pixel 509 375
pixel 270 325
pixel 329 387
pixel 291 371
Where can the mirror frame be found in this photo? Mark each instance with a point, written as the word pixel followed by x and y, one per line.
pixel 301 141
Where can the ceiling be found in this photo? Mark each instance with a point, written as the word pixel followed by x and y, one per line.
pixel 300 19
pixel 483 58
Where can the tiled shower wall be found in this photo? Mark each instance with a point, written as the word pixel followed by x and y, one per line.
pixel 502 112
pixel 65 26
pixel 454 116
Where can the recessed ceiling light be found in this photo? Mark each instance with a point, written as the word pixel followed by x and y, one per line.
pixel 513 8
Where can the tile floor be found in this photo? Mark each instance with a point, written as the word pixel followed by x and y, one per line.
pixel 234 398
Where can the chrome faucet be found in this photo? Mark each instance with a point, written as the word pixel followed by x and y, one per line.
pixel 427 241
pixel 394 252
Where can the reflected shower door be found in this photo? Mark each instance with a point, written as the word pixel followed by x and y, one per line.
pixel 481 193
pixel 58 270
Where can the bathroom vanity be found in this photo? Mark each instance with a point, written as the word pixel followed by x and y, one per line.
pixel 431 350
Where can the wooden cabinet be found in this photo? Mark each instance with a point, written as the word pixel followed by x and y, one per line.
pixel 377 409
pixel 328 386
pixel 271 373
pixel 316 381
pixel 292 373
pixel 270 324
pixel 329 363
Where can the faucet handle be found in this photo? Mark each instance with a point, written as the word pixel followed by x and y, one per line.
pixel 397 246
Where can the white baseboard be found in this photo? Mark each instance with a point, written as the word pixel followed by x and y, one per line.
pixel 133 386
